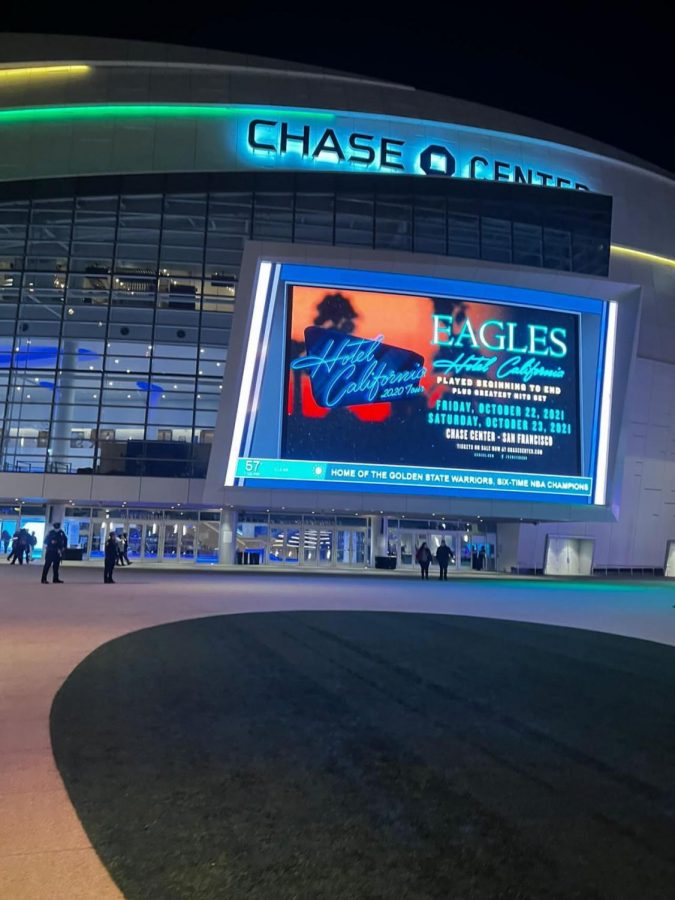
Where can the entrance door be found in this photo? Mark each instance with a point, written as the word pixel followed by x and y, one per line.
pixel 284 545
pixel 318 546
pixel 151 542
pixel 350 547
pixel 187 533
pixel 170 549
pixel 179 541
pixel 135 538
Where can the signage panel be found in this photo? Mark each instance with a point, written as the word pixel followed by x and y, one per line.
pixel 323 140
pixel 380 382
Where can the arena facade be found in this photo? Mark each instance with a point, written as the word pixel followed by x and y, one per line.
pixel 266 313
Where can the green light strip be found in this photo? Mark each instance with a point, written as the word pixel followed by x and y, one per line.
pixel 145 110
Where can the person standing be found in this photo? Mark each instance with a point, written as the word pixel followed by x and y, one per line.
pixel 443 557
pixel 14 554
pixel 111 554
pixel 32 544
pixel 6 538
pixel 423 558
pixel 55 544
pixel 125 548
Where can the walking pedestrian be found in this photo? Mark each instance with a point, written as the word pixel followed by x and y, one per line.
pixel 55 544
pixel 423 557
pixel 111 555
pixel 123 550
pixel 443 555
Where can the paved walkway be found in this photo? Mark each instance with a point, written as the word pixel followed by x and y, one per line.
pixel 45 631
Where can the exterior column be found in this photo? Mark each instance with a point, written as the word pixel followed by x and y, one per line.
pixel 56 512
pixel 508 538
pixel 227 544
pixel 379 537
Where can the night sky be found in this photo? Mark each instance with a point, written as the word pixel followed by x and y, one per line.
pixel 607 76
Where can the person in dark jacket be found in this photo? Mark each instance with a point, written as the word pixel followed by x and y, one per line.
pixel 443 555
pixel 55 543
pixel 111 554
pixel 16 547
pixel 423 557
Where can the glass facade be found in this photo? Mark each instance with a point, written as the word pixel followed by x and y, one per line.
pixel 117 294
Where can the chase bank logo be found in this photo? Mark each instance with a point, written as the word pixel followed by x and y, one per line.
pixel 437 160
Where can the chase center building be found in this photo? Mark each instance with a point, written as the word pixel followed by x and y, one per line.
pixel 266 313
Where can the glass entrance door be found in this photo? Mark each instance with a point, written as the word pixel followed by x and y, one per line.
pixel 318 546
pixel 284 545
pixel 135 539
pixel 170 543
pixel 179 541
pixel 151 542
pixel 350 547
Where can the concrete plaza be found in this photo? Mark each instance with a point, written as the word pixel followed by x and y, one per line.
pixel 45 631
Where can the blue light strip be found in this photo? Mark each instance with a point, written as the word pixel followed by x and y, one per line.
pixel 430 286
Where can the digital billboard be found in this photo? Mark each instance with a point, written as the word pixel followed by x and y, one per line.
pixel 377 382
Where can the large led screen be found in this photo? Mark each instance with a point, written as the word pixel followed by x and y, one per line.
pixel 383 382
pixel 440 382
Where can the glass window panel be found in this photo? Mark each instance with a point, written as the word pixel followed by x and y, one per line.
pixel 129 395
pixel 430 222
pixel 114 417
pixel 34 310
pixel 463 235
pixel 527 244
pixel 216 336
pixel 354 219
pixel 187 206
pixel 273 216
pixel 393 222
pixel 557 249
pixel 495 239
pixel 314 218
pixel 170 418
pixel 189 236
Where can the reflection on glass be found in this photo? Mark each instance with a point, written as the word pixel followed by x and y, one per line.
pixel 135 538
pixel 151 541
pixel 207 542
pixel 284 545
pixel 170 541
pixel 318 546
pixel 187 541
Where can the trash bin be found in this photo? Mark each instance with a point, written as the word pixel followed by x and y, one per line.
pixel 72 554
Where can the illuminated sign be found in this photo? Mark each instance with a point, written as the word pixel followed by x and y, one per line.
pixel 394 146
pixel 418 384
pixel 462 384
pixel 345 371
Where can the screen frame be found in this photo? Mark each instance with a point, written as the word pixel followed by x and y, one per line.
pixel 383 263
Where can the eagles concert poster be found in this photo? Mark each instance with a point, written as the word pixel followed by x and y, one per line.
pixel 440 382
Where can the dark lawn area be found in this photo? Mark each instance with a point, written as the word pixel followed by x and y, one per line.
pixel 366 755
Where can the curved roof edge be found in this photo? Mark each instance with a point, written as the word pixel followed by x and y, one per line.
pixel 21 48
pixel 26 49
